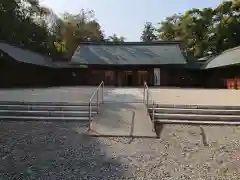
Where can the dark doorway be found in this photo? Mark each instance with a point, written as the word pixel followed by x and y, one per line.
pixel 129 80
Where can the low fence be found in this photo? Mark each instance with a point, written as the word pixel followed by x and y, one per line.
pixel 233 83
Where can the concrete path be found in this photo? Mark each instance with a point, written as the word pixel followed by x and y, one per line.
pixel 112 94
pixel 124 95
pixel 71 94
pixel 123 119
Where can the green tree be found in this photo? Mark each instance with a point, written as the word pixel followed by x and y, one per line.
pixel 170 28
pixel 148 33
pixel 115 38
pixel 204 30
pixel 195 26
pixel 236 3
pixel 227 29
pixel 18 25
pixel 75 28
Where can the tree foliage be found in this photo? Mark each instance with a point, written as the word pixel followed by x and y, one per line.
pixel 18 25
pixel 115 38
pixel 75 28
pixel 148 33
pixel 204 30
pixel 24 23
pixel 236 3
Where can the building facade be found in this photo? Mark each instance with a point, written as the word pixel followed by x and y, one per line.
pixel 160 64
pixel 131 63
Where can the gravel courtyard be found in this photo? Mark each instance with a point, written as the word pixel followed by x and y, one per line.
pixel 58 151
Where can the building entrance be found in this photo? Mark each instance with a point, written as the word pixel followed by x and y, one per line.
pixel 129 80
pixel 126 78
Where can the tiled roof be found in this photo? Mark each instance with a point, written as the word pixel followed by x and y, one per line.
pixel 135 53
pixel 26 56
pixel 227 58
pixel 155 53
pixel 30 57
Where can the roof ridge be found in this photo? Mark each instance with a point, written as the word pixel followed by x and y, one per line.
pixel 231 49
pixel 129 43
pixel 45 58
pixel 23 47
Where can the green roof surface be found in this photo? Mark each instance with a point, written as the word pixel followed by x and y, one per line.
pixel 227 58
pixel 26 56
pixel 205 58
pixel 135 53
pixel 154 53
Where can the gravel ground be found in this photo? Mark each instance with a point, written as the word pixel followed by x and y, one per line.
pixel 58 151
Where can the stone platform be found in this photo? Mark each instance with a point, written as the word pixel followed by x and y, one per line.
pixel 123 120
pixel 219 97
pixel 112 94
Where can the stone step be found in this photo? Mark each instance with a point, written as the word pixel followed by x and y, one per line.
pixel 197 117
pixel 46 113
pixel 195 111
pixel 186 106
pixel 46 108
pixel 40 118
pixel 174 121
pixel 46 103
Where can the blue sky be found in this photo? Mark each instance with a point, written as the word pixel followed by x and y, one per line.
pixel 127 17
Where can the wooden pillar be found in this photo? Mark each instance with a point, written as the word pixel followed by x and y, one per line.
pixel 116 74
pixel 150 77
pixel 119 78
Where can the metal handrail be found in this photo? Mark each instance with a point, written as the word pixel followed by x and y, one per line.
pixel 146 89
pixel 153 115
pixel 101 85
pixel 153 111
pixel 146 102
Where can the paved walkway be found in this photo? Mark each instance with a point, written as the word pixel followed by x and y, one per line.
pixel 123 119
pixel 71 94
pixel 124 95
pixel 160 95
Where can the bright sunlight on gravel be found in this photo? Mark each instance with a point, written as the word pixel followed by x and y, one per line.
pixel 57 151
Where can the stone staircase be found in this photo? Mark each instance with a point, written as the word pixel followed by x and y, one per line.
pixel 46 111
pixel 195 114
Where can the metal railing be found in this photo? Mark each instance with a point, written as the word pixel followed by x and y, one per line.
pixel 96 93
pixel 146 99
pixel 153 111
pixel 145 93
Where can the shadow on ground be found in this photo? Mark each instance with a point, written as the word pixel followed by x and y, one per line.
pixel 38 150
pixel 122 118
pixel 115 111
pixel 113 107
pixel 123 95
